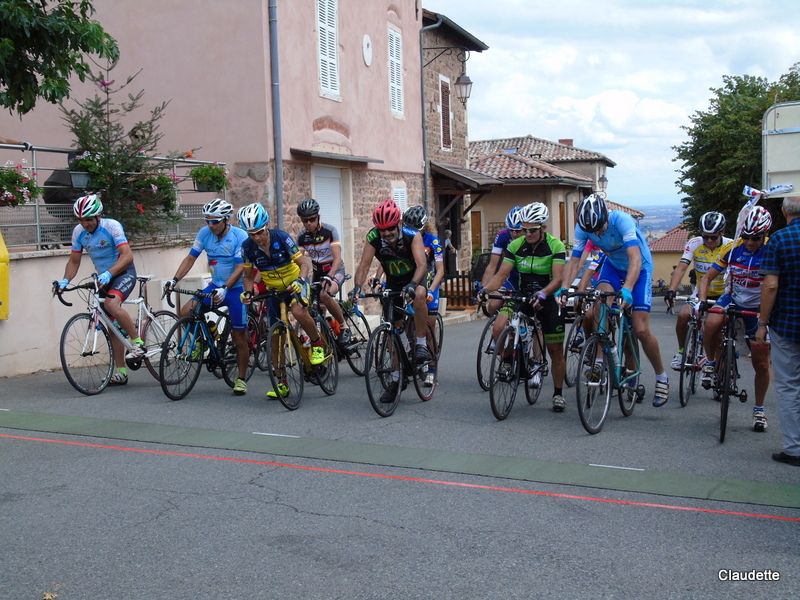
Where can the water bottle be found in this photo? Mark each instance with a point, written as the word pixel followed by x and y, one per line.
pixel 334 325
pixel 524 335
pixel 613 352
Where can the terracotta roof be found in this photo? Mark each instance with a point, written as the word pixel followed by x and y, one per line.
pixel 468 177
pixel 514 168
pixel 536 148
pixel 672 241
pixel 636 214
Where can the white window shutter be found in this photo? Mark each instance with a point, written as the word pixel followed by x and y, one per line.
pixel 400 197
pixel 395 71
pixel 327 17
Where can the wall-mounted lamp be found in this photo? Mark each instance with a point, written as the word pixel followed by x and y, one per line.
pixel 463 84
pixel 602 183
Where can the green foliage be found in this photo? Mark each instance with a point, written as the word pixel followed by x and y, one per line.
pixel 43 43
pixel 723 152
pixel 137 191
pixel 17 184
pixel 213 177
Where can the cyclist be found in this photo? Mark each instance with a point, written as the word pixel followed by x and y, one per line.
pixel 222 244
pixel 512 231
pixel 282 267
pixel 105 242
pixel 539 259
pixel 627 269
pixel 320 242
pixel 416 218
pixel 742 259
pixel 401 254
pixel 704 251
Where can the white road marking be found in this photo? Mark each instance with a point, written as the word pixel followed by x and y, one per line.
pixel 5 409
pixel 616 467
pixel 276 434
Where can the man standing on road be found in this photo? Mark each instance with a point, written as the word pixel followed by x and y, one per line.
pixel 780 310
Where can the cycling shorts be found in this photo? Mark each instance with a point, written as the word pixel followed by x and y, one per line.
pixel 122 285
pixel 642 290
pixel 552 323
pixel 237 312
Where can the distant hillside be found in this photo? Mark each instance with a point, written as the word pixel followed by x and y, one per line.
pixel 660 219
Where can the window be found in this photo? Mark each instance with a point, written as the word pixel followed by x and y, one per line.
pixel 444 110
pixel 400 197
pixel 395 71
pixel 328 48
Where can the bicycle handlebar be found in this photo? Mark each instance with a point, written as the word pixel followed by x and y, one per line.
pixel 200 294
pixel 90 285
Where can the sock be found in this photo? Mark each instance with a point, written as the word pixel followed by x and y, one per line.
pixel 122 371
pixel 138 341
pixel 758 409
pixel 421 341
pixel 557 391
pixel 662 377
pixel 680 350
pixel 395 375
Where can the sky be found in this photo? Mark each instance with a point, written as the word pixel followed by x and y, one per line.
pixel 619 77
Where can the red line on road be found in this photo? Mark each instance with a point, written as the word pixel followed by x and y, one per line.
pixel 458 484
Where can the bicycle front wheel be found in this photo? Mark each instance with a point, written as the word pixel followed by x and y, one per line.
pixel 438 332
pixel 628 392
pixel 181 358
pixel 421 371
pixel 593 386
pixel 86 355
pixel 504 378
pixel 485 353
pixel 688 367
pixel 326 375
pixel 572 351
pixel 154 332
pixel 285 359
pixel 356 350
pixel 727 376
pixel 382 363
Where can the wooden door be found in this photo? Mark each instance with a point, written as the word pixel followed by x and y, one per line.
pixel 475 223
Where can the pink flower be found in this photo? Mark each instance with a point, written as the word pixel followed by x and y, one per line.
pixel 140 208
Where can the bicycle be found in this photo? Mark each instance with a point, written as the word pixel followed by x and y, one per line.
pixel 194 341
pixel 355 350
pixel 693 353
pixel 726 378
pixel 574 343
pixel 290 362
pixel 387 357
pixel 85 344
pixel 485 349
pixel 519 352
pixel 602 364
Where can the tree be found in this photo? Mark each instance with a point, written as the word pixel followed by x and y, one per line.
pixel 136 190
pixel 42 44
pixel 723 152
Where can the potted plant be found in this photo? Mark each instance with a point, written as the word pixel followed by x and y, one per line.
pixel 81 169
pixel 17 184
pixel 212 177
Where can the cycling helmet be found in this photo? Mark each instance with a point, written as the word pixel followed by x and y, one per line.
pixel 712 222
pixel 415 217
pixel 386 215
pixel 512 219
pixel 218 209
pixel 253 217
pixel 308 208
pixel 535 212
pixel 592 213
pixel 87 206
pixel 758 221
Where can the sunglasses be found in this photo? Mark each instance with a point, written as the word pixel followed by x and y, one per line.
pixel 531 229
pixel 388 229
pixel 754 238
pixel 257 232
pixel 309 219
pixel 711 237
pixel 214 221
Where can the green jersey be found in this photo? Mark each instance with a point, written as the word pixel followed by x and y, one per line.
pixel 534 263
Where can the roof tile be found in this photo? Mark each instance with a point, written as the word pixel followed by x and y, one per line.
pixel 536 148
pixel 672 241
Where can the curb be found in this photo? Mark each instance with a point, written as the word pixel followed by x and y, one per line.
pixel 461 316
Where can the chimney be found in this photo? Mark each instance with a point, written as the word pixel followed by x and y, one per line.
pixel 565 141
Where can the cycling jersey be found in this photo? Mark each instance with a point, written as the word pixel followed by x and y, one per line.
pixel 433 250
pixel 745 277
pixel 102 244
pixel 535 262
pixel 501 242
pixel 224 253
pixel 278 268
pixel 397 259
pixel 622 233
pixel 319 248
pixel 704 257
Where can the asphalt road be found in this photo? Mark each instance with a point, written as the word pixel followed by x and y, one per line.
pixel 129 495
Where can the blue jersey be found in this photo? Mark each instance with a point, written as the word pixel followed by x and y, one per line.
pixel 278 268
pixel 433 250
pixel 224 253
pixel 622 233
pixel 501 242
pixel 102 244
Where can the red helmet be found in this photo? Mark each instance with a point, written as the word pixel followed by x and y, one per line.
pixel 386 215
pixel 758 221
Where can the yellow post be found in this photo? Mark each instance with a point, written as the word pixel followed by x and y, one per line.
pixel 5 268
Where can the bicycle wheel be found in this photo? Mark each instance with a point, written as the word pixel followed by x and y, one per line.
pixel 628 393
pixel 86 354
pixel 383 349
pixel 485 353
pixel 326 375
pixel 504 378
pixel 154 332
pixel 438 331
pixel 727 373
pixel 262 356
pixel 425 392
pixel 689 368
pixel 572 351
pixel 230 355
pixel 593 386
pixel 285 359
pixel 356 351
pixel 181 358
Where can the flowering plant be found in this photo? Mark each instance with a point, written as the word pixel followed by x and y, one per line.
pixel 17 184
pixel 212 177
pixel 86 161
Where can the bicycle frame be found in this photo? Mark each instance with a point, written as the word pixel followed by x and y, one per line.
pixel 612 319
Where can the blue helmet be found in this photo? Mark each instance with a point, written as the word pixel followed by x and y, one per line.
pixel 512 218
pixel 253 217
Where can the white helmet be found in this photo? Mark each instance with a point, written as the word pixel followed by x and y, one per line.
pixel 535 212
pixel 758 221
pixel 218 209
pixel 253 217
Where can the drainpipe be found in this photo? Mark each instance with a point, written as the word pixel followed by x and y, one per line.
pixel 276 109
pixel 427 169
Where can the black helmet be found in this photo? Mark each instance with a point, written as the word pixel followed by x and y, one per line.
pixel 308 208
pixel 592 213
pixel 415 217
pixel 712 222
